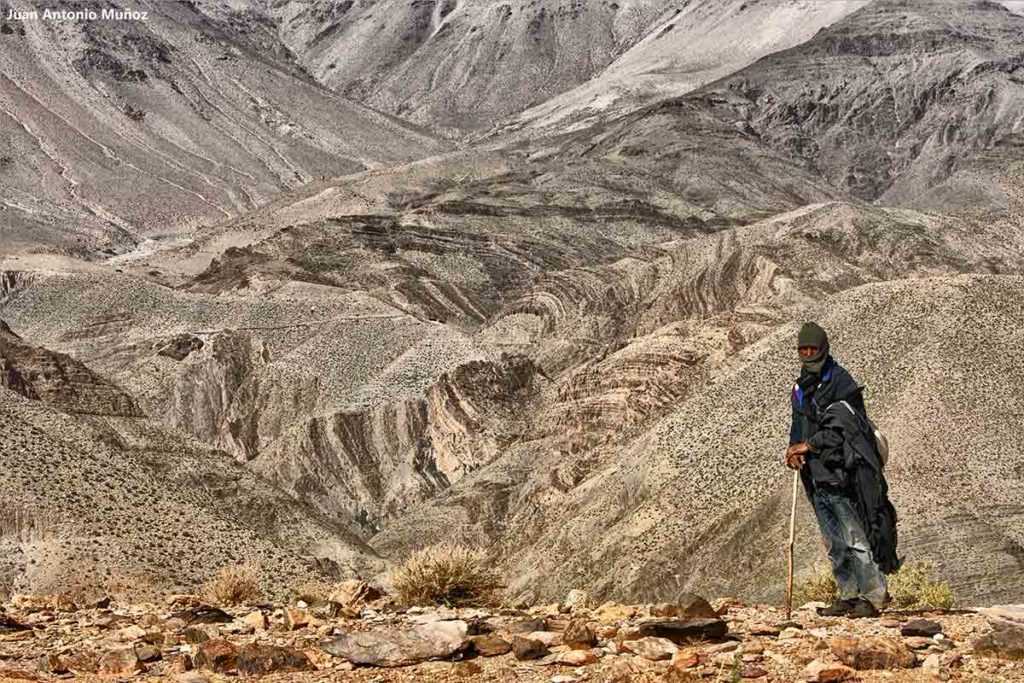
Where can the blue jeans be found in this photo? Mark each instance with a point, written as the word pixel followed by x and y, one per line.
pixel 857 575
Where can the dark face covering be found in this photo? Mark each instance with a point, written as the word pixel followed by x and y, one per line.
pixel 813 336
pixel 813 366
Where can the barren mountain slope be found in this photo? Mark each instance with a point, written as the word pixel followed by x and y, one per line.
pixel 117 130
pixel 114 504
pixel 671 169
pixel 343 355
pixel 689 45
pixel 660 456
pixel 890 100
pixel 458 64
pixel 450 344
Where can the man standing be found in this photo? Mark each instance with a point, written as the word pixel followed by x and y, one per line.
pixel 841 470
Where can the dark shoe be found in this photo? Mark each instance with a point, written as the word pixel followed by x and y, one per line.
pixel 863 610
pixel 839 608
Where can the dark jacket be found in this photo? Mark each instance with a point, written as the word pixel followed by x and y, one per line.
pixel 811 395
pixel 829 414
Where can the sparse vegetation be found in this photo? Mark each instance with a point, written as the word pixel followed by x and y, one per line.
pixel 913 586
pixel 234 585
pixel 820 586
pixel 446 574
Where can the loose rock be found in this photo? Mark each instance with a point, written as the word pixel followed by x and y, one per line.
pixel 825 672
pixel 488 645
pixel 400 648
pixel 528 648
pixel 1006 640
pixel 120 660
pixel 683 631
pixel 353 593
pixel 579 635
pixel 872 652
pixel 295 618
pixel 147 653
pixel 217 655
pixel 924 628
pixel 259 659
pixel 652 648
pixel 685 659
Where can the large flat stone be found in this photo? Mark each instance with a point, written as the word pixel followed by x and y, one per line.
pixel 401 648
pixel 681 631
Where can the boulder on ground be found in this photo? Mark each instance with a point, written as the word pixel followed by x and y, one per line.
pixel 43 603
pixel 1006 639
pixel 685 659
pixel 147 653
pixel 681 631
pixel 120 661
pixel 217 655
pixel 259 659
pixel 528 625
pixel 490 645
pixel 686 606
pixel 652 648
pixel 921 628
pixel 436 640
pixel 579 635
pixel 296 618
pixel 872 652
pixel 528 648
pixel 549 638
pixel 826 672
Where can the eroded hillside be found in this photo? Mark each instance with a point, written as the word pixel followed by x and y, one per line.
pixel 571 348
pixel 113 132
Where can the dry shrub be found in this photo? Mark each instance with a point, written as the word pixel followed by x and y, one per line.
pixel 820 586
pixel 446 574
pixel 234 585
pixel 914 586
pixel 311 589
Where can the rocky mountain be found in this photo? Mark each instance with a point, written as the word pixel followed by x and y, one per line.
pixel 689 45
pixel 99 498
pixel 901 94
pixel 118 131
pixel 569 342
pixel 462 67
pixel 459 66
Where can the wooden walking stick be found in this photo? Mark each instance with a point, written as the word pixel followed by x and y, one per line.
pixel 792 537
